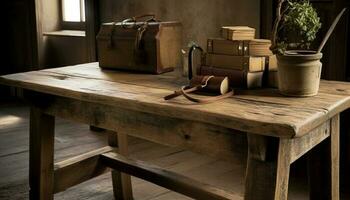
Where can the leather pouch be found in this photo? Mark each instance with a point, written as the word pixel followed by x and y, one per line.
pixel 213 85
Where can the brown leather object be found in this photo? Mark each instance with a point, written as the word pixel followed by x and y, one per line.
pixel 214 84
pixel 208 84
pixel 237 78
pixel 147 47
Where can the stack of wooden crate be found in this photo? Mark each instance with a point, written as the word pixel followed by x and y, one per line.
pixel 239 56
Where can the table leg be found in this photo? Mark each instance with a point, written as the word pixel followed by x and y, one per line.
pixel 121 182
pixel 41 152
pixel 323 162
pixel 268 167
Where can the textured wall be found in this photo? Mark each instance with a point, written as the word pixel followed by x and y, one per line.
pixel 62 51
pixel 59 50
pixel 50 15
pixel 200 18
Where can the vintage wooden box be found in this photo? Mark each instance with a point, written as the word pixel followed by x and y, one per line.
pixel 156 51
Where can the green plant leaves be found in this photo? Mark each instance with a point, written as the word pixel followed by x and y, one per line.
pixel 302 22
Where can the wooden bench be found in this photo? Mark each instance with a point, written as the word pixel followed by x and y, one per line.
pixel 277 130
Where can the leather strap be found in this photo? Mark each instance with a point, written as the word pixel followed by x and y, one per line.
pixel 151 17
pixel 186 90
pixel 207 99
pixel 177 93
pixel 180 92
pixel 110 43
pixel 141 28
pixel 139 35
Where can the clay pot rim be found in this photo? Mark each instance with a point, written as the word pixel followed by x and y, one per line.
pixel 302 54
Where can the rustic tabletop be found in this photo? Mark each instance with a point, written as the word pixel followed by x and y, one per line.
pixel 260 111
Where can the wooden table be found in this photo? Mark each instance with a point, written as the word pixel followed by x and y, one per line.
pixel 276 130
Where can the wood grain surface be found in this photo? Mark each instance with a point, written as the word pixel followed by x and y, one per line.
pixel 262 111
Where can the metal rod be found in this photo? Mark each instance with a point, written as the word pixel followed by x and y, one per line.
pixel 330 30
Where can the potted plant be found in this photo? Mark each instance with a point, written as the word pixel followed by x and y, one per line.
pixel 295 27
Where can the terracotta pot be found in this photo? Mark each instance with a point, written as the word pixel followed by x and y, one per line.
pixel 299 73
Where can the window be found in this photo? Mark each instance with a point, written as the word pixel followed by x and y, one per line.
pixel 73 14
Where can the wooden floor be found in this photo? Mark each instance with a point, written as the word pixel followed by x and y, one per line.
pixel 72 139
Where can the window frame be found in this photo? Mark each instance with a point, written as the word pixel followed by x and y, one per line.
pixel 67 25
